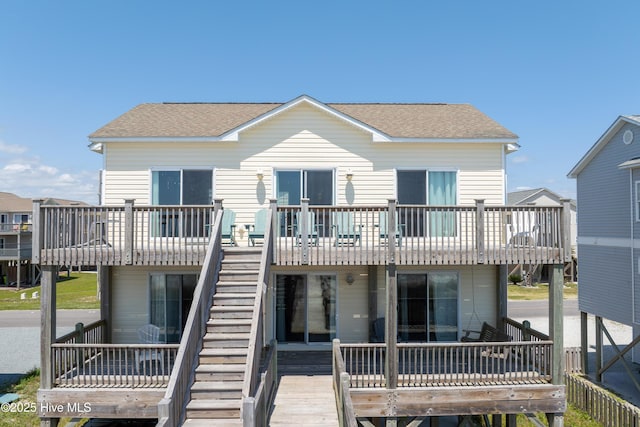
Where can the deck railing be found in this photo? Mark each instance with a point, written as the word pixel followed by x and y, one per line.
pixel 171 407
pixel 450 364
pixel 414 235
pixel 304 234
pixel 19 227
pixel 112 365
pixel 121 235
pixel 92 333
pixel 341 384
pixel 256 337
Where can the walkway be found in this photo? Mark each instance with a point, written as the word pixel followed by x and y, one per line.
pixel 304 400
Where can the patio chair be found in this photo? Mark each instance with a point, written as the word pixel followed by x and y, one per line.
pixel 312 228
pixel 384 228
pixel 346 230
pixel 256 230
pixel 149 334
pixel 228 231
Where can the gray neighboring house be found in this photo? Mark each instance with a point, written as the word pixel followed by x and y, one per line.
pixel 608 194
pixel 546 197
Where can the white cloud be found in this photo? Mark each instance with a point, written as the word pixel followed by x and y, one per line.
pixel 12 149
pixel 519 159
pixel 50 170
pixel 16 168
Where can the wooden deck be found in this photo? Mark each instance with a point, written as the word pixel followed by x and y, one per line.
pixel 304 400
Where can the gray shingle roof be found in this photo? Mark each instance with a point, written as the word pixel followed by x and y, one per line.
pixel 446 121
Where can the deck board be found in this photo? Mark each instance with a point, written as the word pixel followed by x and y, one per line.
pixel 304 400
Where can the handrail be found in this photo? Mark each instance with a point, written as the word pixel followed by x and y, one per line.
pixel 170 408
pixel 519 332
pixel 341 381
pixel 87 333
pixel 256 336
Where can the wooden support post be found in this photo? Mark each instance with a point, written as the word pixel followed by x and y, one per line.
pixel 372 282
pixel 512 420
pixel 503 285
pixel 273 206
pixel 556 284
pixel 555 420
pixel 128 231
pixel 37 232
pixel 105 301
pixel 391 328
pixel 391 230
pixel 304 230
pixel 566 230
pixel 496 420
pixel 584 341
pixel 598 367
pixel 19 264
pixel 480 229
pixel 47 332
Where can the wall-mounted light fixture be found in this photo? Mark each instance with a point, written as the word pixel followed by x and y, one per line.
pixel 349 174
pixel 260 174
pixel 349 279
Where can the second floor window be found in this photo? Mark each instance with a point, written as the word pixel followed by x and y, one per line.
pixel 182 187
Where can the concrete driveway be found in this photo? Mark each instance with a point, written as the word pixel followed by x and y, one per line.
pixel 20 338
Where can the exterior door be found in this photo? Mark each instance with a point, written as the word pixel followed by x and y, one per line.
pixel 171 297
pixel 305 308
pixel 428 306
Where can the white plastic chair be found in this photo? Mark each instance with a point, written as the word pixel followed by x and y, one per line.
pixel 149 334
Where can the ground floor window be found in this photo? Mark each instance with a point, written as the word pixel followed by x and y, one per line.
pixel 428 306
pixel 305 308
pixel 170 297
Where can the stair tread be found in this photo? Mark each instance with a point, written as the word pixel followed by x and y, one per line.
pixel 233 295
pixel 229 322
pixel 217 385
pixel 232 308
pixel 214 404
pixel 223 351
pixel 229 335
pixel 205 422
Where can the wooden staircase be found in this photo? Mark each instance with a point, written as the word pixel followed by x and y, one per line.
pixel 216 394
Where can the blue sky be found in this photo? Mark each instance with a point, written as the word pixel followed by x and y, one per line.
pixel 556 73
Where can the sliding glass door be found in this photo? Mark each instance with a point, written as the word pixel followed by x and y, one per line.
pixel 170 300
pixel 305 308
pixel 428 306
pixel 316 185
pixel 421 187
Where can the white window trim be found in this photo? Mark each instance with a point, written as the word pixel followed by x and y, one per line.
pixel 181 169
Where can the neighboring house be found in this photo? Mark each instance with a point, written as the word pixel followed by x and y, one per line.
pixel 15 240
pixel 16 268
pixel 608 189
pixel 546 197
pixel 366 218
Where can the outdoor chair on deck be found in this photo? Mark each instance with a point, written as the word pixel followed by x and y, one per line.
pixel 487 333
pixel 312 228
pixel 256 231
pixel 383 225
pixel 149 334
pixel 228 231
pixel 346 230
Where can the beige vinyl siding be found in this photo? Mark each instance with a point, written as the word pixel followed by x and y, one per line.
pixel 303 137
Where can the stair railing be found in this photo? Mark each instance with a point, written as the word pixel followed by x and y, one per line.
pixel 256 338
pixel 171 407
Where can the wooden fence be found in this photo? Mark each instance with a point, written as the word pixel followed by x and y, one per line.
pixel 600 404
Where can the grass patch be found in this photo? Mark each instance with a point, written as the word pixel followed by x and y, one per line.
pixel 539 291
pixel 77 291
pixel 27 389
